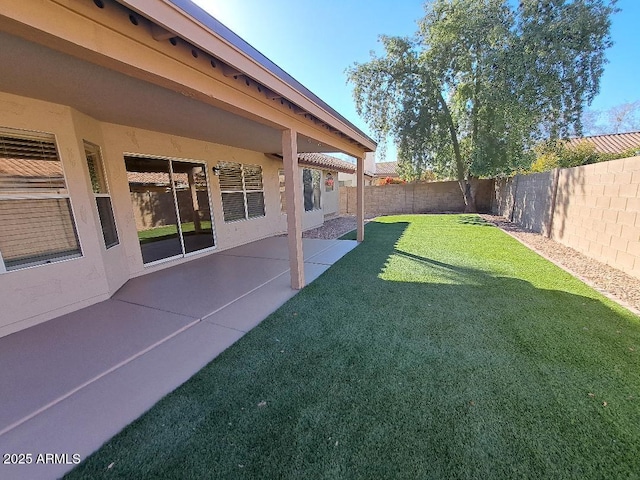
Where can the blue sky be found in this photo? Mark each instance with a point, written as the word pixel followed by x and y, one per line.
pixel 316 40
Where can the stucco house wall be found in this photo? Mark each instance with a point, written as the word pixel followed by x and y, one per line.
pixel 155 87
pixel 34 294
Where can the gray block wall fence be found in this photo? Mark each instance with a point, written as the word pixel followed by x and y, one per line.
pixel 429 197
pixel 594 209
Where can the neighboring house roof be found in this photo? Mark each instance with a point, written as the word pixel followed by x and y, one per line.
pixel 326 161
pixel 611 143
pixel 386 169
pixel 156 178
pixel 12 167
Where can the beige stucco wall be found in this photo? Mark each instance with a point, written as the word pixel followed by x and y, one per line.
pixel 120 140
pixel 32 295
pixel 597 212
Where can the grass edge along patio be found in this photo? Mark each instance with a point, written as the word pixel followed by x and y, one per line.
pixel 455 352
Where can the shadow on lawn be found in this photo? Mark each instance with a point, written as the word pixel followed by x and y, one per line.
pixel 474 220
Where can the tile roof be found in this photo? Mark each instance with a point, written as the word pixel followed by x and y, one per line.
pixel 326 161
pixel 386 169
pixel 30 168
pixel 612 143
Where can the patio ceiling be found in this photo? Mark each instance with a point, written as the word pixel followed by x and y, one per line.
pixel 46 74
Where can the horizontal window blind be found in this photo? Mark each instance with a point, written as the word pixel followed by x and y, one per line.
pixel 27 146
pixel 233 206
pixel 252 177
pixel 36 231
pixel 242 191
pixel 255 204
pixel 230 176
pixel 36 221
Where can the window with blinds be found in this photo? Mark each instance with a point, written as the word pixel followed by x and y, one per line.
pixel 242 191
pixel 101 193
pixel 36 221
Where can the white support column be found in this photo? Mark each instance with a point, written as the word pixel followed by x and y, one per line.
pixel 293 190
pixel 360 199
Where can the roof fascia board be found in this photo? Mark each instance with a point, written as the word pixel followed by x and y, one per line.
pixel 196 26
pixel 42 22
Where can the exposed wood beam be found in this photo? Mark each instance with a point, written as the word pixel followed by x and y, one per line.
pixel 228 71
pixel 271 95
pixel 160 34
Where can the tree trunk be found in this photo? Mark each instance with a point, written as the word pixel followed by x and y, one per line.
pixel 469 196
pixel 465 184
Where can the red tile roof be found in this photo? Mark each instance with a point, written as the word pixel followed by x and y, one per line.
pixel 30 168
pixel 386 169
pixel 326 161
pixel 612 143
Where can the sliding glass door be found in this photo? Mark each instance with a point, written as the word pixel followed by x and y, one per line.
pixel 170 202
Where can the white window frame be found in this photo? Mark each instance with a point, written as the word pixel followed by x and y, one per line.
pixel 205 166
pixel 50 137
pixel 98 152
pixel 244 191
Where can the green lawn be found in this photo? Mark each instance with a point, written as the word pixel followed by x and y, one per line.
pixel 169 231
pixel 439 348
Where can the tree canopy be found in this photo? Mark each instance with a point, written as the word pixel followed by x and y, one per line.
pixel 482 81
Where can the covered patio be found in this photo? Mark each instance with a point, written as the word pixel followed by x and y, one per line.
pixel 71 383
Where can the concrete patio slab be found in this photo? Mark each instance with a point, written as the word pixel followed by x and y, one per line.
pixel 333 252
pixel 45 362
pixel 70 384
pixel 200 287
pixel 87 419
pixel 277 249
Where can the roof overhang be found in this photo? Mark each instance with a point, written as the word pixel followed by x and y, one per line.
pixel 167 66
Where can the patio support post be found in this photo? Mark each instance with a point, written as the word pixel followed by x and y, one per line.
pixel 360 199
pixel 293 191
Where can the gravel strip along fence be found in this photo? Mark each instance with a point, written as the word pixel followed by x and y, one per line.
pixel 610 281
pixel 334 228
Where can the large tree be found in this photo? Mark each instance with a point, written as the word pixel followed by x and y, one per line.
pixel 482 81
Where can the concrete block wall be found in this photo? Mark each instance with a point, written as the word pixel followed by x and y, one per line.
pixel 594 209
pixel 415 198
pixel 597 212
pixel 527 200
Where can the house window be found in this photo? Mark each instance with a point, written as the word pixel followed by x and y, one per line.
pixel 36 220
pixel 101 193
pixel 242 191
pixel 283 194
pixel 311 180
pixel 170 203
pixel 328 182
